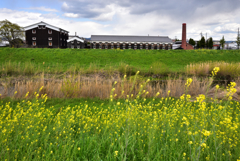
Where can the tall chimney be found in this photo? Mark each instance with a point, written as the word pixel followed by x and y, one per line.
pixel 184 43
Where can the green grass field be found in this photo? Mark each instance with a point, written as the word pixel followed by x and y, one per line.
pixel 145 61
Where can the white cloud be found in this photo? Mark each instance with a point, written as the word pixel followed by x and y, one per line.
pixel 83 29
pixel 65 5
pixel 71 15
pixel 105 16
pixel 42 9
pixel 125 17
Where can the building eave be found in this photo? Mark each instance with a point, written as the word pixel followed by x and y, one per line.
pixel 46 24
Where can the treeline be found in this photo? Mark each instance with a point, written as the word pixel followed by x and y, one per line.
pixel 202 43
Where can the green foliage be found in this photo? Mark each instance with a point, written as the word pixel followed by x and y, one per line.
pixel 238 40
pixel 202 42
pixel 12 32
pixel 159 68
pixel 222 42
pixel 198 44
pixel 210 43
pixel 192 42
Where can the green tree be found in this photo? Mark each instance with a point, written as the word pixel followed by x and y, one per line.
pixel 210 43
pixel 198 44
pixel 192 42
pixel 11 31
pixel 238 40
pixel 202 42
pixel 207 44
pixel 222 42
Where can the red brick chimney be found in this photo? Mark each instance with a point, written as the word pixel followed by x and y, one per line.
pixel 184 42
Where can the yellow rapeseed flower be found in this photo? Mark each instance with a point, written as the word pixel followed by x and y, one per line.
pixel 189 81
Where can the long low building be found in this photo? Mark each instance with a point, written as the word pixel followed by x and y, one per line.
pixel 130 42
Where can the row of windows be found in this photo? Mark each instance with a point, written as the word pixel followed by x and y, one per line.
pixel 100 43
pixel 34 43
pixel 35 31
pixel 34 38
pixel 49 38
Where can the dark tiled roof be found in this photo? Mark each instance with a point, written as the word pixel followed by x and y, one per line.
pixel 118 38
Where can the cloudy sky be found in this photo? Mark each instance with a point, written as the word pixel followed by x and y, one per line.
pixel 130 17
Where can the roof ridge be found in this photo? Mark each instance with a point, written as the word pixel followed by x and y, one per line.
pixel 46 24
pixel 129 35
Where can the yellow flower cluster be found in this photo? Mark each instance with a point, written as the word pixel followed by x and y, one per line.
pixel 231 90
pixel 215 71
pixel 189 81
pixel 133 127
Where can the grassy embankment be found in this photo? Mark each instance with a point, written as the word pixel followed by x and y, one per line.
pixel 126 129
pixel 33 61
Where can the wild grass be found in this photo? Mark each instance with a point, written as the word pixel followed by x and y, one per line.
pixel 205 68
pixel 132 129
pixel 80 86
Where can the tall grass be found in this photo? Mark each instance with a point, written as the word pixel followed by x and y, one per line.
pixel 79 86
pixel 205 68
pixel 171 129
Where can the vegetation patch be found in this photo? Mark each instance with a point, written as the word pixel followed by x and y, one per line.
pixel 132 128
pixel 21 61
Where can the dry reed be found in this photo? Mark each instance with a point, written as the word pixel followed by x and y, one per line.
pixel 205 68
pixel 91 87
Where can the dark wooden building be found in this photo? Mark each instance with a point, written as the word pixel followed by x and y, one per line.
pixel 131 42
pixel 43 35
pixel 76 42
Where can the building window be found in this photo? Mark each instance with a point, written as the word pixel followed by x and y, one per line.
pixel 34 31
pixel 72 42
pixel 34 43
pixel 50 43
pixel 33 38
pixel 50 38
pixel 78 42
pixel 49 31
pixel 41 27
pixel 72 46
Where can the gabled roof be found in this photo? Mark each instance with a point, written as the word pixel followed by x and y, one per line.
pixel 46 24
pixel 121 38
pixel 75 38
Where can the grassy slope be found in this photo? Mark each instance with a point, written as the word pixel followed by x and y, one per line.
pixel 141 59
